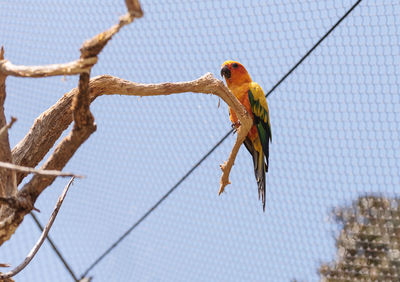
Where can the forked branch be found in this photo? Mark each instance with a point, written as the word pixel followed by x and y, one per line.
pixel 75 105
pixel 39 243
pixel 80 111
pixel 59 117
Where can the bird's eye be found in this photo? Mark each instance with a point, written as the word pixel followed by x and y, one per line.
pixel 235 65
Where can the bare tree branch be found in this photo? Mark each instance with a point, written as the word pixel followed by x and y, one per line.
pixel 50 124
pixel 84 126
pixel 134 8
pixel 15 203
pixel 227 166
pixel 32 149
pixel 10 201
pixel 38 171
pixel 93 46
pixel 43 134
pixel 8 186
pixel 71 68
pixel 58 117
pixel 7 280
pixel 84 121
pixel 7 126
pixel 34 146
pixel 46 230
pixel 75 105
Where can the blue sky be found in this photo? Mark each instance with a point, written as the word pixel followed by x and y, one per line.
pixel 335 125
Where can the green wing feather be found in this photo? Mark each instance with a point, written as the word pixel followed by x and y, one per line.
pixel 259 107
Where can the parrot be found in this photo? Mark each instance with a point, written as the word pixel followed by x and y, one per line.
pixel 252 97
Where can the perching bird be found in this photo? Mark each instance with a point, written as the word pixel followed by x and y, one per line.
pixel 251 95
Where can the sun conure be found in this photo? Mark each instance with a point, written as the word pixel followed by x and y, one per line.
pixel 251 95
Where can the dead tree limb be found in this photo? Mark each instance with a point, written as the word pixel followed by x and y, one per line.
pixel 134 8
pixel 31 153
pixel 8 186
pixel 59 116
pixel 84 123
pixel 75 105
pixel 72 68
pixel 39 243
pixel 38 171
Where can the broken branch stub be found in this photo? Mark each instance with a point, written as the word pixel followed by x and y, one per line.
pixel 134 8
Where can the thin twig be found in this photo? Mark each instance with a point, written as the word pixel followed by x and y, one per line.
pixel 227 166
pixel 134 8
pixel 38 171
pixel 7 126
pixel 46 230
pixel 76 67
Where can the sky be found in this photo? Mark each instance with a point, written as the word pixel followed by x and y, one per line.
pixel 335 126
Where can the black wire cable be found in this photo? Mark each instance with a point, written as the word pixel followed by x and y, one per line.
pixel 55 249
pixel 315 46
pixel 213 148
pixel 156 204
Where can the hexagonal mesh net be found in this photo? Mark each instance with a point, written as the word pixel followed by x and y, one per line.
pixel 335 124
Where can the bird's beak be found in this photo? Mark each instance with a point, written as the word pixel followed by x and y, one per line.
pixel 225 71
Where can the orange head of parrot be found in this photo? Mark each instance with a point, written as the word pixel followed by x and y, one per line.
pixel 235 73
